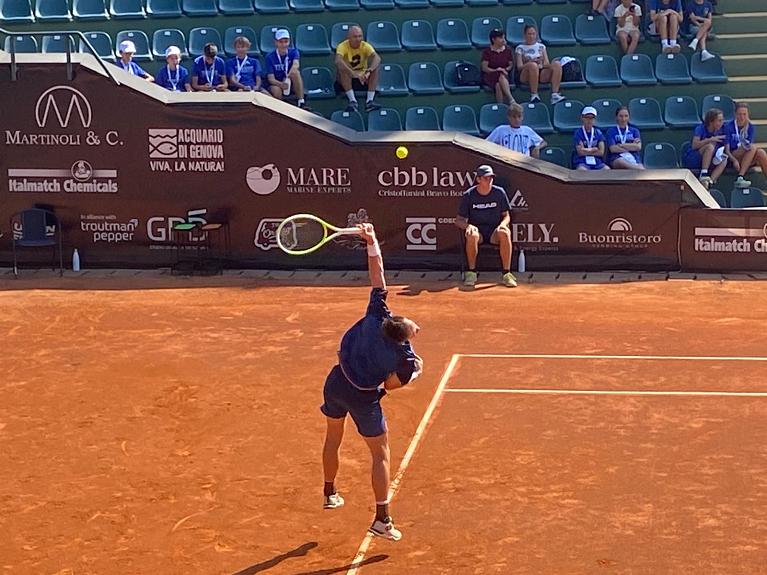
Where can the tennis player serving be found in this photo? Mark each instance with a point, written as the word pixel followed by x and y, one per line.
pixel 375 356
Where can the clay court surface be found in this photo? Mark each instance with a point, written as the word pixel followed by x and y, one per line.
pixel 164 425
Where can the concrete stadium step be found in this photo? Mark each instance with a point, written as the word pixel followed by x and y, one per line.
pixel 740 6
pixel 741 23
pixel 753 43
pixel 745 64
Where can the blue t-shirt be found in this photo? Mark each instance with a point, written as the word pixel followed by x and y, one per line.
pixel 658 5
pixel 367 357
pixel 247 70
pixel 486 211
pixel 701 10
pixel 702 132
pixel 209 74
pixel 132 68
pixel 280 65
pixel 628 135
pixel 590 139
pixel 175 81
pixel 737 137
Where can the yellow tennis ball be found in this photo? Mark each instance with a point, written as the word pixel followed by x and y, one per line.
pixel 401 152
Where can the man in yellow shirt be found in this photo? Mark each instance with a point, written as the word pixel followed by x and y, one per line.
pixel 357 65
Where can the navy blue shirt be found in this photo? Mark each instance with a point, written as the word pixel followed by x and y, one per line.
pixel 737 137
pixel 132 68
pixel 484 211
pixel 175 81
pixel 244 71
pixel 278 65
pixel 208 74
pixel 367 357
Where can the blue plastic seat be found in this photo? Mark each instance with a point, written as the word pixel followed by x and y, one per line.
pixel 233 32
pixel 480 30
pixel 384 120
pixel 342 5
pixel 557 30
pixel 491 116
pixel 52 11
pixel 340 32
pixel 391 80
pixel 272 6
pixel 89 10
pixel 418 35
pixel 424 78
pixel 515 28
pixel 606 108
pixel 198 37
pixel 449 80
pixel 351 120
pixel 421 118
pixel 637 70
pixel 407 4
pixel 163 8
pixel 746 198
pixel 377 4
pixel 721 101
pixel 165 37
pixel 708 72
pixel 672 69
pixel 567 115
pixel 537 117
pixel 574 83
pixel 384 36
pixel 318 83
pixel 307 5
pixel 24 44
pixel 718 197
pixel 199 7
pixel 101 43
pixel 555 155
pixel 551 1
pixel 681 112
pixel 453 34
pixel 312 39
pixel 447 3
pixel 602 71
pixel 591 30
pixel 473 3
pixel 266 37
pixel 460 118
pixel 16 11
pixel 646 114
pixel 516 2
pixel 236 7
pixel 660 156
pixel 140 39
pixel 126 9
pixel 57 44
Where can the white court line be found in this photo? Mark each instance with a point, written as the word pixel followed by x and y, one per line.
pixel 631 357
pixel 610 392
pixel 394 487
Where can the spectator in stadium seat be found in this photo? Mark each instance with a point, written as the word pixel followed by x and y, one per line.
pixel 516 137
pixel 667 16
pixel 599 7
pixel 708 147
pixel 740 146
pixel 209 71
pixel 127 50
pixel 589 142
pixel 699 14
pixel 283 69
pixel 624 143
pixel 533 66
pixel 497 67
pixel 628 16
pixel 243 72
pixel 173 76
pixel 357 65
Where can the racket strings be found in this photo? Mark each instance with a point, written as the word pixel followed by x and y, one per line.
pixel 302 234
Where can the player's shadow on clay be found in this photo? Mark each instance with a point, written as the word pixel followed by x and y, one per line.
pixel 301 551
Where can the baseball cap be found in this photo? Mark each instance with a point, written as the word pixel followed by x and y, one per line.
pixel 485 170
pixel 171 50
pixel 127 47
pixel 589 110
pixel 282 34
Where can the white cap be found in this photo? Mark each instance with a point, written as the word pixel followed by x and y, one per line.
pixel 281 34
pixel 127 47
pixel 171 50
pixel 589 110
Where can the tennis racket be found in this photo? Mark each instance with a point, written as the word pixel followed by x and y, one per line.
pixel 303 234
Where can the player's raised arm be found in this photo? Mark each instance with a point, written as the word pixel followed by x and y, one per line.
pixel 375 261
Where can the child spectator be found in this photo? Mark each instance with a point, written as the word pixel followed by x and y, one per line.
pixel 516 137
pixel 173 76
pixel 283 69
pixel 624 143
pixel 667 16
pixel 699 14
pixel 497 66
pixel 628 16
pixel 209 72
pixel 589 142
pixel 740 145
pixel 708 147
pixel 533 66
pixel 243 72
pixel 127 50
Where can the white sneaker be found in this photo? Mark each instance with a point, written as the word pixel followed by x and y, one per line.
pixel 556 98
pixel 742 182
pixel 705 55
pixel 706 181
pixel 470 279
pixel 694 44
pixel 534 98
pixel 333 501
pixel 385 529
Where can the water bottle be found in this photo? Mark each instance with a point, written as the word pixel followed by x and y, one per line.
pixel 521 262
pixel 76 261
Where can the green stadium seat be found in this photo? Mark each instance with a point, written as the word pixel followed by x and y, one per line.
pixel 460 118
pixel 515 28
pixel 537 117
pixel 491 116
pixel 660 156
pixel 551 1
pixel 101 43
pixel 266 37
pixel 53 11
pixel 606 108
pixel 199 8
pixel 637 70
pixel 384 120
pixel 516 2
pixel 163 8
pixel 312 39
pixel 307 5
pixel 351 120
pixel 557 30
pixel 447 3
pixel 746 198
pixel 718 197
pixel 234 32
pixel 377 4
pixel 140 39
pixel 384 36
pixel 57 44
pixel 421 118
pixel 391 81
pixel 165 37
pixel 453 34
pixel 672 69
pixel 710 71
pixel 24 44
pixel 418 35
pixel 448 79
pixel 236 7
pixel 424 78
pixel 681 112
pixel 602 71
pixel 646 114
pixel 318 83
pixel 339 32
pixel 89 10
pixel 591 30
pixel 272 7
pixel 16 11
pixel 342 5
pixel 480 30
pixel 126 9
pixel 198 37
pixel 407 4
pixel 473 3
pixel 721 101
pixel 567 115
pixel 555 155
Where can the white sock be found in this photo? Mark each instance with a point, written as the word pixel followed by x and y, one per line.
pixel 351 96
pixel 534 95
pixel 371 96
pixel 664 43
pixel 672 42
pixel 300 101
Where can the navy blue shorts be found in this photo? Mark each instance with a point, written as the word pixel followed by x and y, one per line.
pixel 341 397
pixel 487 233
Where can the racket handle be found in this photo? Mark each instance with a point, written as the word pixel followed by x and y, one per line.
pixel 349 231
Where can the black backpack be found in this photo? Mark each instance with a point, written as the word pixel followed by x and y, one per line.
pixel 572 72
pixel 467 74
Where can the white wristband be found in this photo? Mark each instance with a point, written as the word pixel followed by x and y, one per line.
pixel 374 250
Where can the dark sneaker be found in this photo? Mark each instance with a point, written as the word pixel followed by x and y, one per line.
pixel 385 529
pixel 372 107
pixel 352 107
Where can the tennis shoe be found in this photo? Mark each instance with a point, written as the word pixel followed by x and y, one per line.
pixel 556 98
pixel 706 181
pixel 705 56
pixel 333 501
pixel 742 182
pixel 470 279
pixel 352 106
pixel 372 106
pixel 385 529
pixel 509 280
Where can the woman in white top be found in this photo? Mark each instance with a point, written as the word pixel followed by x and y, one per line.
pixel 629 17
pixel 533 65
